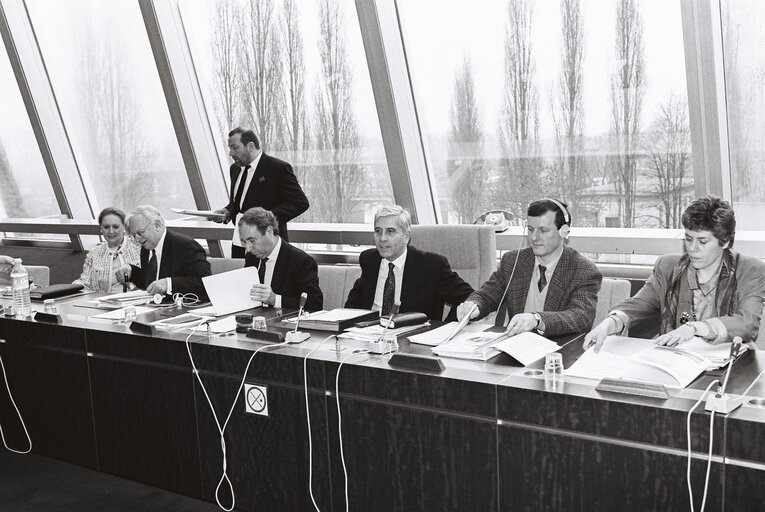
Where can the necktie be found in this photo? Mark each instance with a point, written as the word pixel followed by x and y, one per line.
pixel 262 270
pixel 389 291
pixel 542 279
pixel 240 189
pixel 150 274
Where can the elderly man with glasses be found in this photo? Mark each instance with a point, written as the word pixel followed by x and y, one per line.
pixel 170 262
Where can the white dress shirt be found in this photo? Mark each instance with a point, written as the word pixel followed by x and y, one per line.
pixel 382 276
pixel 253 165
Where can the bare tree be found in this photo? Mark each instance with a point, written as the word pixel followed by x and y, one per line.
pixel 627 90
pixel 111 110
pixel 570 172
pixel 262 94
pixel 519 113
pixel 226 49
pixel 670 162
pixel 466 168
pixel 294 113
pixel 339 178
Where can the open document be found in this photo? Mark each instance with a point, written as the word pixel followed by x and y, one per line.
pixel 229 292
pixel 477 342
pixel 640 360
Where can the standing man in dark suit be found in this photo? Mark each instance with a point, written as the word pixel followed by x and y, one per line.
pixel 547 287
pixel 285 271
pixel 261 180
pixel 396 272
pixel 170 262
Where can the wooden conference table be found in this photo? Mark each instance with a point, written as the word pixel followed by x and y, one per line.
pixel 475 437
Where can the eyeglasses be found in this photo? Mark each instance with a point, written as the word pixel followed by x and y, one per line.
pixel 139 234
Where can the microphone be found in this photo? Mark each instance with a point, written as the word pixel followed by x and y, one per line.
pixel 393 312
pixel 721 402
pixel 298 336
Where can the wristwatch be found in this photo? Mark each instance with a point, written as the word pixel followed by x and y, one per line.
pixel 539 322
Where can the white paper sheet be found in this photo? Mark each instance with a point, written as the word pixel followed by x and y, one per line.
pixel 229 292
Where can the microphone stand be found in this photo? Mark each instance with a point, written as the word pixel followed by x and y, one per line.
pixel 720 402
pixel 379 346
pixel 298 336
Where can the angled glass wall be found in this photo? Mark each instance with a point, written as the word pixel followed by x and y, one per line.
pixel 103 74
pixel 25 189
pixel 743 40
pixel 580 100
pixel 295 72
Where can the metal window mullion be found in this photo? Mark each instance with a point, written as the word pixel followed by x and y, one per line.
pixel 185 103
pixel 73 193
pixel 396 109
pixel 705 75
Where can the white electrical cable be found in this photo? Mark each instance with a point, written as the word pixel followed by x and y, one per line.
pixel 5 377
pixel 340 419
pixel 222 429
pixel 709 461
pixel 308 421
pixel 512 272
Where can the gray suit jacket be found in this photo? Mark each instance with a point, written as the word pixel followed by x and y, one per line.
pixel 572 295
pixel 750 292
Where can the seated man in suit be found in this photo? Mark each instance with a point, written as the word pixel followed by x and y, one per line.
pixel 170 262
pixel 396 272
pixel 285 271
pixel 547 287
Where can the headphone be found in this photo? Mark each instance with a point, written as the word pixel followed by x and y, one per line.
pixel 566 227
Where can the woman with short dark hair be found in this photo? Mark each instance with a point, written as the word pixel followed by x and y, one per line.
pixel 709 291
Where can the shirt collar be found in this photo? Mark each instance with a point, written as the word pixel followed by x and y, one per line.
pixel 254 163
pixel 398 262
pixel 550 267
pixel 160 244
pixel 275 251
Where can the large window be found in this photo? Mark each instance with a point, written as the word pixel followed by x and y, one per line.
pixel 25 189
pixel 581 100
pixel 295 72
pixel 103 74
pixel 743 40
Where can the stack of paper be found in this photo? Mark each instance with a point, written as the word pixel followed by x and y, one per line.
pixel 477 342
pixel 125 299
pixel 640 360
pixel 373 332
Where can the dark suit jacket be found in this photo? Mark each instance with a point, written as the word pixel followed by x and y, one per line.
pixel 572 295
pixel 295 272
pixel 273 187
pixel 183 260
pixel 429 282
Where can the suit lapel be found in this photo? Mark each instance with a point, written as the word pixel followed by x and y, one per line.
pixel 280 267
pixel 555 290
pixel 370 285
pixel 255 183
pixel 167 255
pixel 410 277
pixel 519 286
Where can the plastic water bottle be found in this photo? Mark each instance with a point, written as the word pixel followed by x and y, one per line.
pixel 20 282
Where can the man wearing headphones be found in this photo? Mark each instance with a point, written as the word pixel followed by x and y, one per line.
pixel 547 287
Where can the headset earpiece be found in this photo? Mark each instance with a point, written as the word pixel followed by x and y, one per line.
pixel 564 231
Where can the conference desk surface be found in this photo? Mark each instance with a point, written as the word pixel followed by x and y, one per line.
pixel 477 436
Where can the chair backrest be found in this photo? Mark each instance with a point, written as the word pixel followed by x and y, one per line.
pixel 38 274
pixel 219 265
pixel 612 292
pixel 470 249
pixel 336 282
